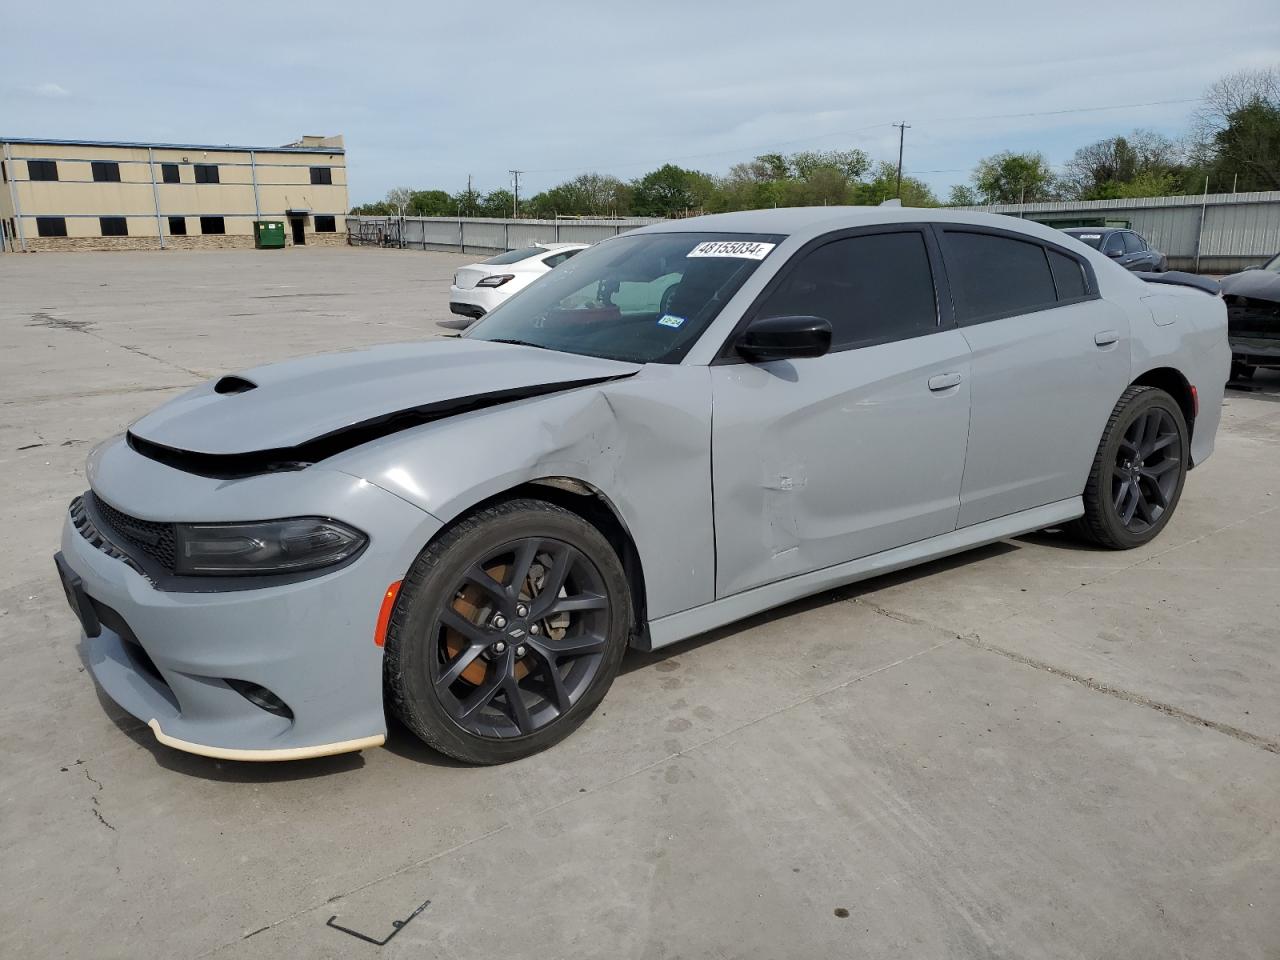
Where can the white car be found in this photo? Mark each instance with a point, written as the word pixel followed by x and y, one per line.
pixel 479 287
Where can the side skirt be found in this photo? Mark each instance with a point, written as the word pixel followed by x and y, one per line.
pixel 679 626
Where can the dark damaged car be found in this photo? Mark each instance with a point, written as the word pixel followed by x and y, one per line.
pixel 1253 317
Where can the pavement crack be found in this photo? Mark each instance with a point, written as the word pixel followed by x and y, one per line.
pixel 1098 686
pixel 93 798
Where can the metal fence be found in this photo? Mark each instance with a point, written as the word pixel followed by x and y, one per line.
pixel 1211 233
pixel 480 235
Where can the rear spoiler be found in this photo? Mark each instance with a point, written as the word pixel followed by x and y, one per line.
pixel 1211 287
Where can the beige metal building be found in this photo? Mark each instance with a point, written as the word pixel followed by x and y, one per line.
pixel 105 195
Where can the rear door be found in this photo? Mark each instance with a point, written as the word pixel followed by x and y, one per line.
pixel 822 460
pixel 1050 359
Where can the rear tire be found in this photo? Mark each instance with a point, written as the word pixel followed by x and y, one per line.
pixel 1241 370
pixel 480 662
pixel 1138 472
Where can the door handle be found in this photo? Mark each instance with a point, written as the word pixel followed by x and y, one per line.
pixel 944 381
pixel 1105 338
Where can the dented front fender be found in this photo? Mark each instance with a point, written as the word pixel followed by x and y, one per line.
pixel 644 442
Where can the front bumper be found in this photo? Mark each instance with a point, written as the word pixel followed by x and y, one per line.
pixel 178 660
pixel 1256 351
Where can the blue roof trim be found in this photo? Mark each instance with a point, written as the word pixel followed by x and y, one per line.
pixel 224 147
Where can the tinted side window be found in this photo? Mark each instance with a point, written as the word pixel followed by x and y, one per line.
pixel 1115 244
pixel 994 276
pixel 1133 243
pixel 1068 276
pixel 872 289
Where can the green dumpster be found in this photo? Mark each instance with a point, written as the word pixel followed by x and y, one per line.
pixel 268 234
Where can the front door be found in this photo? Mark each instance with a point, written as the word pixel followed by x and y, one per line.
pixel 823 460
pixel 299 225
pixel 1050 360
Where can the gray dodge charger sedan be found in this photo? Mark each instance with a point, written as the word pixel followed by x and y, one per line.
pixel 680 427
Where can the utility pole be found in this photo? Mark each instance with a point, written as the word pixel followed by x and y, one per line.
pixel 515 192
pixel 902 132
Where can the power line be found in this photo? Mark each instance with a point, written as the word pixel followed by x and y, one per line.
pixel 874 126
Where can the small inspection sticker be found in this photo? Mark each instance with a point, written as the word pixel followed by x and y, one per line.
pixel 1090 236
pixel 670 320
pixel 743 249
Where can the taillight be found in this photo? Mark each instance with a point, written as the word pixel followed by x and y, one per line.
pixel 1195 403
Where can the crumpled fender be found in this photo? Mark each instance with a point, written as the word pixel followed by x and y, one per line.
pixel 644 443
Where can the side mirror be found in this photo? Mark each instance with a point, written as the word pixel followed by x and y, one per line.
pixel 1115 254
pixel 784 338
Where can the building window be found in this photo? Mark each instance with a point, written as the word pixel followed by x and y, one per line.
pixel 105 171
pixel 51 226
pixel 169 171
pixel 114 226
pixel 42 170
pixel 322 175
pixel 207 173
pixel 212 224
pixel 326 224
pixel 177 226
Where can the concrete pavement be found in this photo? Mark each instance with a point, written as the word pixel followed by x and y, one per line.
pixel 1033 750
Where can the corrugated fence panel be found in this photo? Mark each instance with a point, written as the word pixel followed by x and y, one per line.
pixel 1238 228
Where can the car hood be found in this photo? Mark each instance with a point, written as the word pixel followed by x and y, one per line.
pixel 1259 284
pixel 309 408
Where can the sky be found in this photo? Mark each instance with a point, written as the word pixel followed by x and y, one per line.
pixel 426 93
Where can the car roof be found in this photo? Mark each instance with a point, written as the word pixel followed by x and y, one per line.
pixel 1096 230
pixel 805 222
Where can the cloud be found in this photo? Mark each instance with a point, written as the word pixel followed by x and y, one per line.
pixel 52 91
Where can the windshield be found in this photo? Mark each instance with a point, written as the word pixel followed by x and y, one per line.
pixel 643 298
pixel 1092 239
pixel 1273 264
pixel 515 256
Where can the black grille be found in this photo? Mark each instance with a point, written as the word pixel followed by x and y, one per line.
pixel 155 540
pixel 86 528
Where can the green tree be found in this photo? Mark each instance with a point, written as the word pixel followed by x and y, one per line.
pixel 883 183
pixel 1247 150
pixel 671 191
pixel 1009 177
pixel 497 203
pixel 466 203
pixel 1126 166
pixel 962 195
pixel 429 203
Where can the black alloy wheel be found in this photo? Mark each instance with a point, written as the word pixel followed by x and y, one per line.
pixel 508 631
pixel 1147 469
pixel 522 638
pixel 1138 473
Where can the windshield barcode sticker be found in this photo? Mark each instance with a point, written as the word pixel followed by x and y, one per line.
pixel 744 249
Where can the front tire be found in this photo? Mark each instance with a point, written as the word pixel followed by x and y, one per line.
pixel 507 632
pixel 1139 470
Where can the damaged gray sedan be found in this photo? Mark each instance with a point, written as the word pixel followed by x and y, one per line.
pixel 680 427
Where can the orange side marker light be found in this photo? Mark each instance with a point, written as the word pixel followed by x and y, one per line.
pixel 384 613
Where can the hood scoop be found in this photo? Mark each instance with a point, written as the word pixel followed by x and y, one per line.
pixel 234 384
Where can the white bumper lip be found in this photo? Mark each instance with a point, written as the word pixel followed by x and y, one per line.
pixel 266 756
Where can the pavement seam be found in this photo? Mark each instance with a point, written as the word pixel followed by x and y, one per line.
pixel 604 786
pixel 1244 736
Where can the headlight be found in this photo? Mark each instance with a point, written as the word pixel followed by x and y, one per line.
pixel 272 546
pixel 496 280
